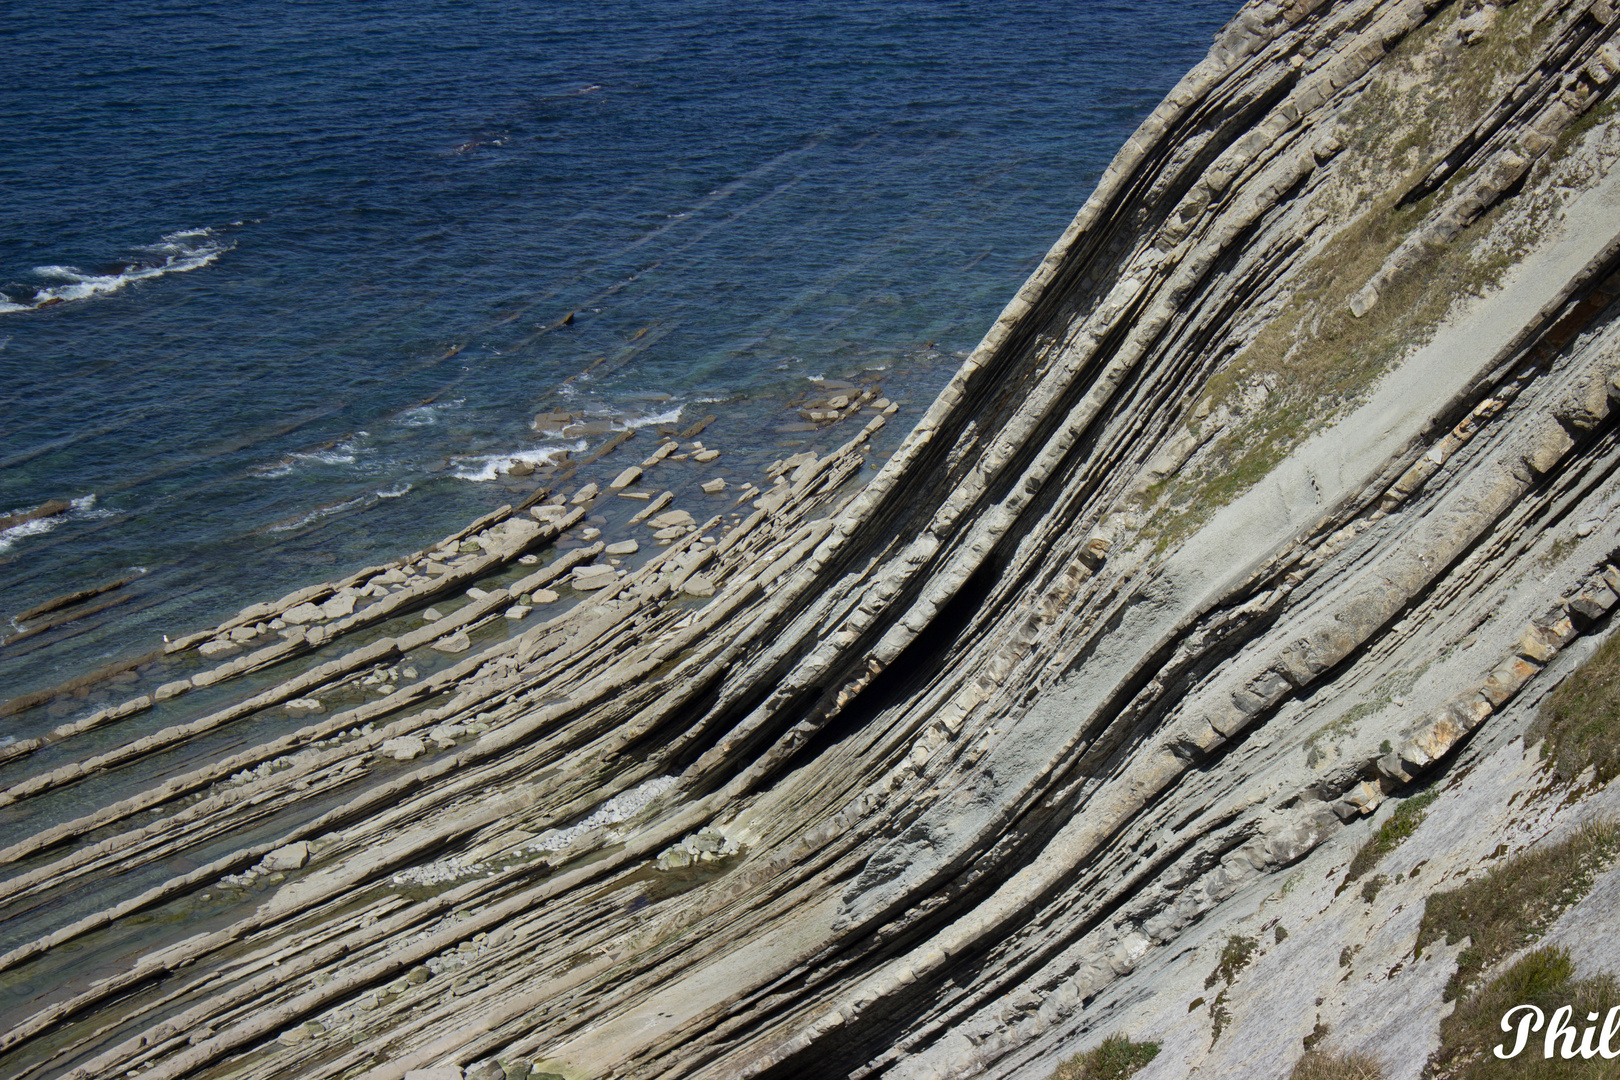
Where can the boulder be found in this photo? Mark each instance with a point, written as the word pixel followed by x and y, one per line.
pixel 714 487
pixel 672 517
pixel 626 478
pixel 585 494
pixel 705 455
pixel 301 614
pixel 698 585
pixel 291 857
pixel 404 747
pixel 338 607
pixel 623 547
pixel 673 859
pixel 218 647
pixel 171 689
pixel 543 596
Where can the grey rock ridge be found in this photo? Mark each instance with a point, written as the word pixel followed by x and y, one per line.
pixel 1284 488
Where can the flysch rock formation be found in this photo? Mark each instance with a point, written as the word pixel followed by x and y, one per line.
pixel 1283 488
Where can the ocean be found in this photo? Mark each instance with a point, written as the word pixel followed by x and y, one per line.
pixel 284 287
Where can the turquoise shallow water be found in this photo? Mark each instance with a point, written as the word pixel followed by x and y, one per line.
pixel 281 284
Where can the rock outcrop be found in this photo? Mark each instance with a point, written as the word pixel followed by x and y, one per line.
pixel 1285 485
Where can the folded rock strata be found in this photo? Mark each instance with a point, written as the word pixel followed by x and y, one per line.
pixel 1284 483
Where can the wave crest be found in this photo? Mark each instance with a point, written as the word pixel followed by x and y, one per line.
pixel 175 253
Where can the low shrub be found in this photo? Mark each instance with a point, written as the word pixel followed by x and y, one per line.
pixel 1115 1058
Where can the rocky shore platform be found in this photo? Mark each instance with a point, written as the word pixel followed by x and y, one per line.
pixel 1271 511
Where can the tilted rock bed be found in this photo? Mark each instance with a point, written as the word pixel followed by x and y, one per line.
pixel 954 775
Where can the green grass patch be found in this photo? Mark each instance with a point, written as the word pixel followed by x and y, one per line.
pixel 1544 978
pixel 1235 956
pixel 1115 1058
pixel 1318 358
pixel 1580 720
pixel 1512 905
pixel 1392 833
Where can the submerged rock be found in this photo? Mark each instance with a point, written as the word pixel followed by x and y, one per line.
pixel 454 643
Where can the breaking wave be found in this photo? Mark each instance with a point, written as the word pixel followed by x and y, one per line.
pixel 485 467
pixel 177 252
pixel 82 507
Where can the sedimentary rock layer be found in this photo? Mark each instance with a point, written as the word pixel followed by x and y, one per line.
pixel 907 778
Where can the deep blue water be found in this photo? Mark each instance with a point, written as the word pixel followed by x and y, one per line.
pixel 308 259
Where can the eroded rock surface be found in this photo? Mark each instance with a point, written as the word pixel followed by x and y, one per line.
pixel 1285 486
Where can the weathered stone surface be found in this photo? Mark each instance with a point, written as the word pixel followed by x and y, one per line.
pixel 337 607
pixel 457 642
pixel 404 748
pixel 593 577
pixel 963 770
pixel 301 614
pixel 171 689
pixel 291 857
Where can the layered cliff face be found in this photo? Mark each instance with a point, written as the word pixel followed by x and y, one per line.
pixel 1281 492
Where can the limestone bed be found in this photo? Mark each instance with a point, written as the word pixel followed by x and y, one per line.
pixel 952 773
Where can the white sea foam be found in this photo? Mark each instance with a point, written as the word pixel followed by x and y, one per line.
pixel 673 416
pixel 316 515
pixel 37 527
pixel 177 252
pixel 485 467
pixel 423 415
pixel 394 493
pixel 344 453
pixel 82 507
pixel 337 456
